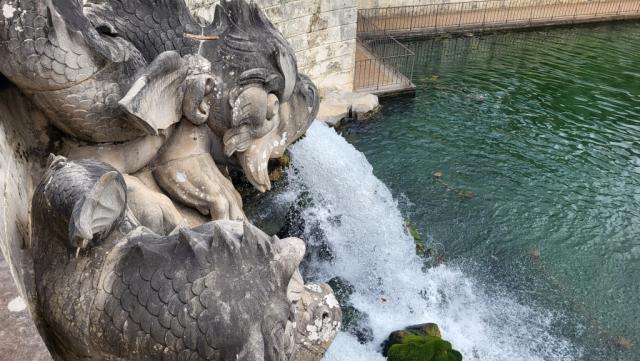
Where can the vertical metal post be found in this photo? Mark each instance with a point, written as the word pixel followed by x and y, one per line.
pixel 532 8
pixel 484 14
pixel 506 18
pixel 436 21
pixel 413 15
pixel 386 18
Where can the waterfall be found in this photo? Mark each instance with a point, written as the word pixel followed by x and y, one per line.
pixel 372 250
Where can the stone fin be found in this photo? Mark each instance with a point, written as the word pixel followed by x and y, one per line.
pixel 254 236
pixel 199 244
pixel 220 22
pixel 223 240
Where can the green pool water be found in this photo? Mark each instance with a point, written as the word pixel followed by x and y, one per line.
pixel 534 140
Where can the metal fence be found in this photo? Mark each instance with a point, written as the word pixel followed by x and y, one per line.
pixel 382 62
pixel 491 14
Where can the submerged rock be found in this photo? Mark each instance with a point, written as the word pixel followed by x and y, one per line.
pixel 419 343
pixel 433 253
pixel 354 321
pixel 622 343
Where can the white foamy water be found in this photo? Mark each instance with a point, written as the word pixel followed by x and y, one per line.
pixel 373 251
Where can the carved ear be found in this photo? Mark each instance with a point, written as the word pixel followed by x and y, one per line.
pixel 154 101
pixel 97 213
pixel 287 65
pixel 220 22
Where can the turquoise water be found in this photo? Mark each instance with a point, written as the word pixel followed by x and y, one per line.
pixel 520 155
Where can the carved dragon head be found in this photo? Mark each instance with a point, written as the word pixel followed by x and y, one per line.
pixel 261 104
pixel 238 74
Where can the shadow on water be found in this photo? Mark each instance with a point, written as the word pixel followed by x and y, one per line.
pixel 543 127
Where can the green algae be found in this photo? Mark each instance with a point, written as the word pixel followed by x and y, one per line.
pixel 423 348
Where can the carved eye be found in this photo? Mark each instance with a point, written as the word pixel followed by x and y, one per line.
pixel 107 29
pixel 209 83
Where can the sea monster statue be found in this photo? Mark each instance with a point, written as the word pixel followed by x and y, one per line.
pixel 220 291
pixel 140 83
pixel 154 107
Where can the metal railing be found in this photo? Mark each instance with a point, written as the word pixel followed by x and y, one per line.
pixel 491 14
pixel 382 62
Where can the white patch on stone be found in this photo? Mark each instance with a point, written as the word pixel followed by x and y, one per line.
pixel 181 177
pixel 8 11
pixel 331 301
pixel 17 305
pixel 313 287
pixel 312 333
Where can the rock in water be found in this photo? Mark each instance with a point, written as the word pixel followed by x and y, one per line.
pixel 419 343
pixel 354 321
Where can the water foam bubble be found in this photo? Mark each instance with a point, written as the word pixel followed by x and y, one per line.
pixel 373 251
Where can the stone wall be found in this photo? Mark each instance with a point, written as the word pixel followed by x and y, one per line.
pixel 322 32
pixel 21 155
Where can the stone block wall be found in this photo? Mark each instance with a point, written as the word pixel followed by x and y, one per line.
pixel 322 32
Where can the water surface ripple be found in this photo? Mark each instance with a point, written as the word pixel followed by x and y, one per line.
pixel 537 138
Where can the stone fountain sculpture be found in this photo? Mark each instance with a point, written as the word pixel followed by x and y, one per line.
pixel 141 249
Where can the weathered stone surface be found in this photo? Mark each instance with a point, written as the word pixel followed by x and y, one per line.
pixel 227 93
pixel 149 91
pixel 364 105
pixel 338 105
pixel 318 320
pixel 221 291
pixel 321 32
pixel 18 335
pixel 333 113
pixel 153 209
pixel 23 137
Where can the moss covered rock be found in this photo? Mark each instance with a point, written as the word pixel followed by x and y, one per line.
pixel 423 348
pixel 419 343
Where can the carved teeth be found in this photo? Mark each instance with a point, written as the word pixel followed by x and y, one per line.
pixel 84 244
pixel 256 170
pixel 255 160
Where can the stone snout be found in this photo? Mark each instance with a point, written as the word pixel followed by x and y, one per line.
pixel 318 319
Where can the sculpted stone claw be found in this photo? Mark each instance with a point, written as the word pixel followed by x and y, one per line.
pixel 220 291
